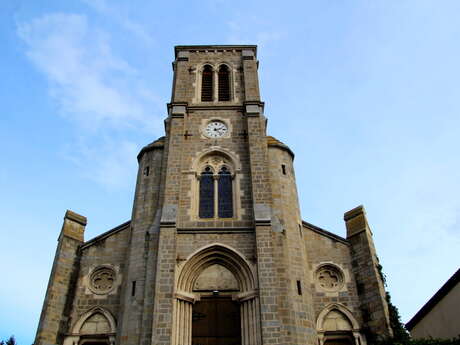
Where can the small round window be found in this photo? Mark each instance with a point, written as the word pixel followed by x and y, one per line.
pixel 102 280
pixel 329 278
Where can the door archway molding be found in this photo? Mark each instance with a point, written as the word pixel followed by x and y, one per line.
pixel 184 297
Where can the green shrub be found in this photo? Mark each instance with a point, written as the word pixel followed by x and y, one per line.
pixel 10 341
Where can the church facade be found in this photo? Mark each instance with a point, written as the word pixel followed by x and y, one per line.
pixel 216 252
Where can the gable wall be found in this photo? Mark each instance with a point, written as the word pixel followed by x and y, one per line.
pixel 322 249
pixel 110 251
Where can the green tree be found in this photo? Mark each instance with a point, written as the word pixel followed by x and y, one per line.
pixel 10 341
pixel 400 333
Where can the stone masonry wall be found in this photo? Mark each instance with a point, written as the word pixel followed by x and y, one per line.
pixel 194 148
pixel 242 242
pixel 294 296
pixel 136 321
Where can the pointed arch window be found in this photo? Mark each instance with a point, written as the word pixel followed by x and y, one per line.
pixel 216 193
pixel 207 193
pixel 207 84
pixel 224 83
pixel 225 194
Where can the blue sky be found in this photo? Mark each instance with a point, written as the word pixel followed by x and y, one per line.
pixel 366 93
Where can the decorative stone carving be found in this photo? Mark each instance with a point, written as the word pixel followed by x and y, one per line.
pixel 216 160
pixel 329 278
pixel 95 324
pixel 216 277
pixel 102 280
pixel 336 321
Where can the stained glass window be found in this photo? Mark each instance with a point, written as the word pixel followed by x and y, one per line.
pixel 225 196
pixel 206 194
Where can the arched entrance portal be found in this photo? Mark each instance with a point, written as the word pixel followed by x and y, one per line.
pixel 215 300
pixel 216 316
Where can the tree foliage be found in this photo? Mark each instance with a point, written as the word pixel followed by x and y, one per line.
pixel 400 334
pixel 454 341
pixel 10 341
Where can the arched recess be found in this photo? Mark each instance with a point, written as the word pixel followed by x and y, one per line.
pixel 96 326
pixel 232 82
pixel 225 82
pixel 188 273
pixel 337 325
pixel 214 160
pixel 207 83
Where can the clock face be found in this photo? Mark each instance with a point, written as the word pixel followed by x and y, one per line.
pixel 215 129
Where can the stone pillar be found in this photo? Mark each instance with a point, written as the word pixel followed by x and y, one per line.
pixel 181 81
pixel 249 313
pixel 182 316
pixel 371 290
pixel 251 80
pixel 166 260
pixel 286 316
pixel 55 312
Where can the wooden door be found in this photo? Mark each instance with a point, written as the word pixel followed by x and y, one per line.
pixel 216 321
pixel 339 341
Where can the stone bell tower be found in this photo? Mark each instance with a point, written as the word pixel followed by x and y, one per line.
pixel 216 251
pixel 221 198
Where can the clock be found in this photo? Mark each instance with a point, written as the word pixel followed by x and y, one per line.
pixel 215 129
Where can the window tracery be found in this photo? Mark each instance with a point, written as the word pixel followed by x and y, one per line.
pixel 102 280
pixel 329 278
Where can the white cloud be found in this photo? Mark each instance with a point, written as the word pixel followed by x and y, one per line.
pixel 96 89
pixel 240 33
pixel 110 163
pixel 89 82
pixel 138 30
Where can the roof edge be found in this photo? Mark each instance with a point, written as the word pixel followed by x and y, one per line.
pixel 326 233
pixel 273 142
pixel 215 46
pixel 433 301
pixel 106 234
pixel 157 144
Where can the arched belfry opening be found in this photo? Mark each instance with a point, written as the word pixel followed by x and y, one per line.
pixel 216 300
pixel 207 89
pixel 224 83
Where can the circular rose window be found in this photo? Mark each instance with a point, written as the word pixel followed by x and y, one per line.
pixel 102 280
pixel 329 278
